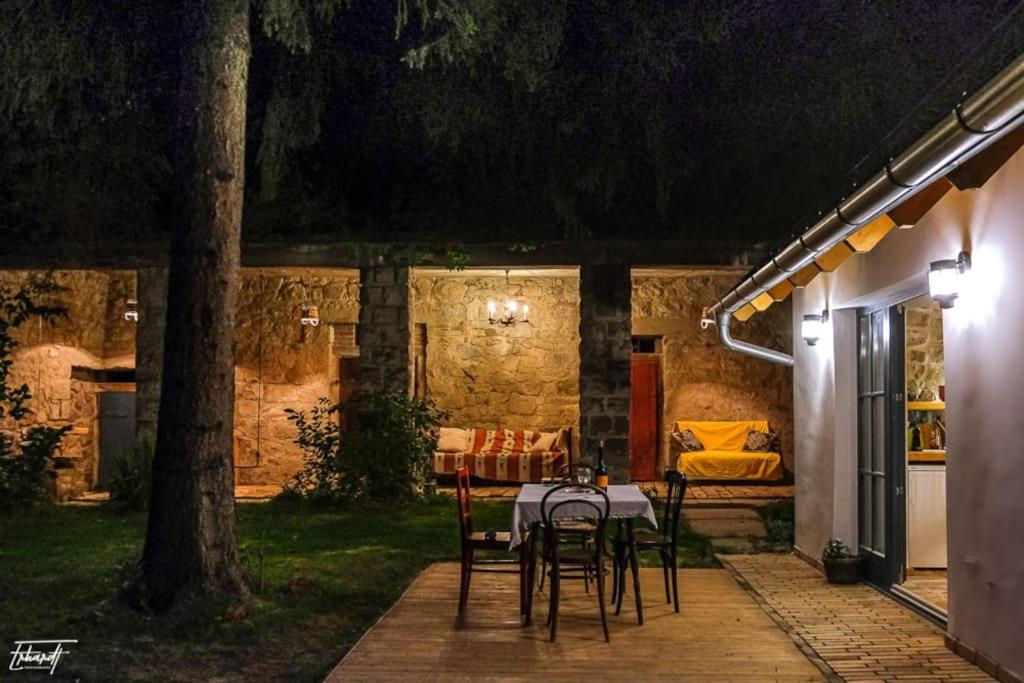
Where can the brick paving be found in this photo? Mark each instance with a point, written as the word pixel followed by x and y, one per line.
pixel 861 634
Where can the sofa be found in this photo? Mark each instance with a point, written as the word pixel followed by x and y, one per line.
pixel 723 455
pixel 503 455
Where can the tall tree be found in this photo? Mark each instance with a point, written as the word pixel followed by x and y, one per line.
pixel 190 539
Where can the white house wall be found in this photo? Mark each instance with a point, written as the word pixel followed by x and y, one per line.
pixel 984 363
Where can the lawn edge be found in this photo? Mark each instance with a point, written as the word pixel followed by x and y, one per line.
pixel 381 618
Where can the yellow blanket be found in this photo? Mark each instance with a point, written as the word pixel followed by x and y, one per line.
pixel 724 457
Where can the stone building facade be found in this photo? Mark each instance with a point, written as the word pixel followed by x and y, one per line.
pixel 569 367
pixel 62 363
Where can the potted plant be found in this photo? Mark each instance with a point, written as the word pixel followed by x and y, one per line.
pixel 840 565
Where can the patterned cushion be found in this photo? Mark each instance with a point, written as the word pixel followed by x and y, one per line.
pixel 687 441
pixel 759 441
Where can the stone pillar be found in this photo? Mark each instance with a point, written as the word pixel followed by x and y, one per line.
pixel 605 349
pixel 151 293
pixel 384 328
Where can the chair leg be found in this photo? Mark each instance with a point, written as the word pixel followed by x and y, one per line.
pixel 600 599
pixel 556 581
pixel 615 575
pixel 675 585
pixel 664 567
pixel 467 569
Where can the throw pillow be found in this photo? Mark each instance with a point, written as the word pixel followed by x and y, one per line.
pixel 687 441
pixel 453 440
pixel 759 441
pixel 544 442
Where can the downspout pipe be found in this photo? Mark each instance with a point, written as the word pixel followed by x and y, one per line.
pixel 725 337
pixel 982 119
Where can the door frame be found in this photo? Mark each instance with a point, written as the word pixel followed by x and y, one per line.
pixel 887 567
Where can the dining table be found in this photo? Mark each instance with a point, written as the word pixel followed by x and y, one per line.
pixel 627 503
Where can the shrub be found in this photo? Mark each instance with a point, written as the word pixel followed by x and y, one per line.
pixel 778 517
pixel 386 456
pixel 25 454
pixel 132 479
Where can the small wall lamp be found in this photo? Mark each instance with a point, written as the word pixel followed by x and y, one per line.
pixel 310 316
pixel 944 278
pixel 813 327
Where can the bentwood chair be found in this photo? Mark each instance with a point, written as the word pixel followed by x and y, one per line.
pixel 665 541
pixel 562 553
pixel 581 530
pixel 473 541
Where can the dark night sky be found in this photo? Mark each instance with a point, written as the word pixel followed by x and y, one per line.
pixel 636 118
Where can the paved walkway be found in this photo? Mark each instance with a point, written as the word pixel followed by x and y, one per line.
pixel 721 635
pixel 859 632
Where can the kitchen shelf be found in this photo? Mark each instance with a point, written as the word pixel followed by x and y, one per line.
pixel 933 455
pixel 926 405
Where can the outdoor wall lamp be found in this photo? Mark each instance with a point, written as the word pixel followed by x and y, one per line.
pixel 813 327
pixel 310 316
pixel 132 314
pixel 944 278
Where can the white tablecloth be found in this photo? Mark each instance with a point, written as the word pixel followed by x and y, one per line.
pixel 626 501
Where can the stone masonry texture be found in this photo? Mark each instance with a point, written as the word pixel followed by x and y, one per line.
pixel 384 333
pixel 701 379
pixel 521 376
pixel 93 336
pixel 605 350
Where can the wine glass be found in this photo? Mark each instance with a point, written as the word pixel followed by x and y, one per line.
pixel 583 475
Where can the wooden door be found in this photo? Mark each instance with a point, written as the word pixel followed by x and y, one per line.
pixel 643 417
pixel 117 431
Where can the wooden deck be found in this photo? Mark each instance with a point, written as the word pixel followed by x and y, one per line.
pixel 721 634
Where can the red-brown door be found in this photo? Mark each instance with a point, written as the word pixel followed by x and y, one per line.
pixel 643 417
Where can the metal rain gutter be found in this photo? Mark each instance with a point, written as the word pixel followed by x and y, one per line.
pixel 975 124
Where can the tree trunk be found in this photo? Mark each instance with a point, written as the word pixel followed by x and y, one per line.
pixel 190 539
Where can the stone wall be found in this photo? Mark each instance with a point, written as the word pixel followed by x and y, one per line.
pixel 518 376
pixel 95 336
pixel 925 367
pixel 280 363
pixel 605 351
pixel 701 379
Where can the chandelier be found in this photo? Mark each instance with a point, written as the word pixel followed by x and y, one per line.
pixel 515 310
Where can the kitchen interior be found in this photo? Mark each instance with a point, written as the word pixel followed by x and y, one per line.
pixel 926 454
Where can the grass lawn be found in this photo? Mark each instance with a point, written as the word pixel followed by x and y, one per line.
pixel 327 575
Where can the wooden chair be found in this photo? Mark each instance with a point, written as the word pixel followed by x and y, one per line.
pixel 665 541
pixel 472 541
pixel 563 552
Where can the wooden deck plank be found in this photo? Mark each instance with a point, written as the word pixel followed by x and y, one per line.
pixel 721 634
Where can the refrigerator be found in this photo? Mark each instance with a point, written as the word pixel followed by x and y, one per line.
pixel 926 516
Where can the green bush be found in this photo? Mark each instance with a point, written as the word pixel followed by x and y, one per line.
pixel 23 474
pixel 132 479
pixel 385 457
pixel 779 527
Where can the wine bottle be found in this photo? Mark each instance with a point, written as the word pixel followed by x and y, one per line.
pixel 601 475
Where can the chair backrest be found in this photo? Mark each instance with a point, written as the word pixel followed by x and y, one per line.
pixel 676 481
pixel 462 499
pixel 587 502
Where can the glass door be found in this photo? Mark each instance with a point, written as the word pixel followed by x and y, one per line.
pixel 880 437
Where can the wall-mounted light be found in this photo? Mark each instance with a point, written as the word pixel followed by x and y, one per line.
pixel 132 313
pixel 945 278
pixel 310 316
pixel 812 328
